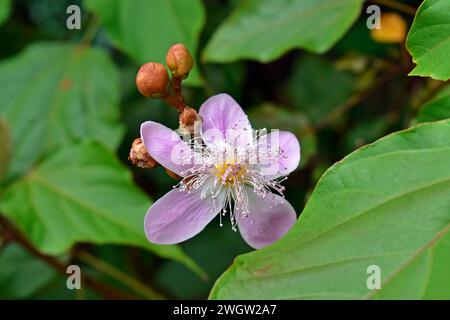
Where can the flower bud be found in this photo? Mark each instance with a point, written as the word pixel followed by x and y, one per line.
pixel 152 80
pixel 188 119
pixel 188 116
pixel 179 61
pixel 139 155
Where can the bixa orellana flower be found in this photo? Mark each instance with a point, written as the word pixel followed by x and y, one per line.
pixel 227 169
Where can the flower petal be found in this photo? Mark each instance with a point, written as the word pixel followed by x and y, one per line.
pixel 223 118
pixel 166 147
pixel 180 215
pixel 268 220
pixel 289 157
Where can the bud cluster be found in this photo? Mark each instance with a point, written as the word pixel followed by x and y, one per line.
pixel 153 81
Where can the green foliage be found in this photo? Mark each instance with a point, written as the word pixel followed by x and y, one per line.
pixel 264 30
pixel 146 29
pixel 305 88
pixel 21 275
pixel 70 111
pixel 5 9
pixel 429 42
pixel 438 108
pixel 386 205
pixel 56 93
pixel 70 197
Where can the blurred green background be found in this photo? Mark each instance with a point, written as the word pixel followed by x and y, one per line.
pixel 70 111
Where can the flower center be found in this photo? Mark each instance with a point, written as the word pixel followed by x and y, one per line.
pixel 230 172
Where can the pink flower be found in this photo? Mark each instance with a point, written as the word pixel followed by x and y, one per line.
pixel 227 169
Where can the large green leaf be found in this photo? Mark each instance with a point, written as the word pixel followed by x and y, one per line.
pixel 386 204
pixel 429 40
pixel 5 10
pixel 81 193
pixel 146 29
pixel 21 275
pixel 264 30
pixel 54 93
pixel 438 108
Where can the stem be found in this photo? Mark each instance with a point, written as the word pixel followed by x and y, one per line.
pixel 176 84
pixel 91 30
pixel 105 290
pixel 118 275
pixel 355 99
pixel 174 102
pixel 175 99
pixel 410 10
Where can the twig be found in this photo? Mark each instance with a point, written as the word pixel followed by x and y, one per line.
pixel 106 291
pixel 354 100
pixel 91 30
pixel 118 275
pixel 402 7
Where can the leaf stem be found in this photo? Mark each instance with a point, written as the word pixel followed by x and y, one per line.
pixel 118 275
pixel 91 30
pixel 402 7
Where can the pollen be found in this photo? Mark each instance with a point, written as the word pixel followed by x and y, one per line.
pixel 230 172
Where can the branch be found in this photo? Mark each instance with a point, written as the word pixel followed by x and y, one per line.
pixel 356 99
pixel 118 275
pixel 12 234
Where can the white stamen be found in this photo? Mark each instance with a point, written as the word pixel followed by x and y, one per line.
pixel 223 169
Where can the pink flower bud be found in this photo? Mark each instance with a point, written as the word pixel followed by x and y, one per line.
pixel 179 60
pixel 152 80
pixel 188 118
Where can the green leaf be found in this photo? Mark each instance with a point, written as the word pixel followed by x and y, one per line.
pixel 82 194
pixel 305 89
pixel 428 40
pixel 386 204
pixel 21 274
pixel 5 147
pixel 54 93
pixel 264 30
pixel 146 29
pixel 5 10
pixel 438 108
